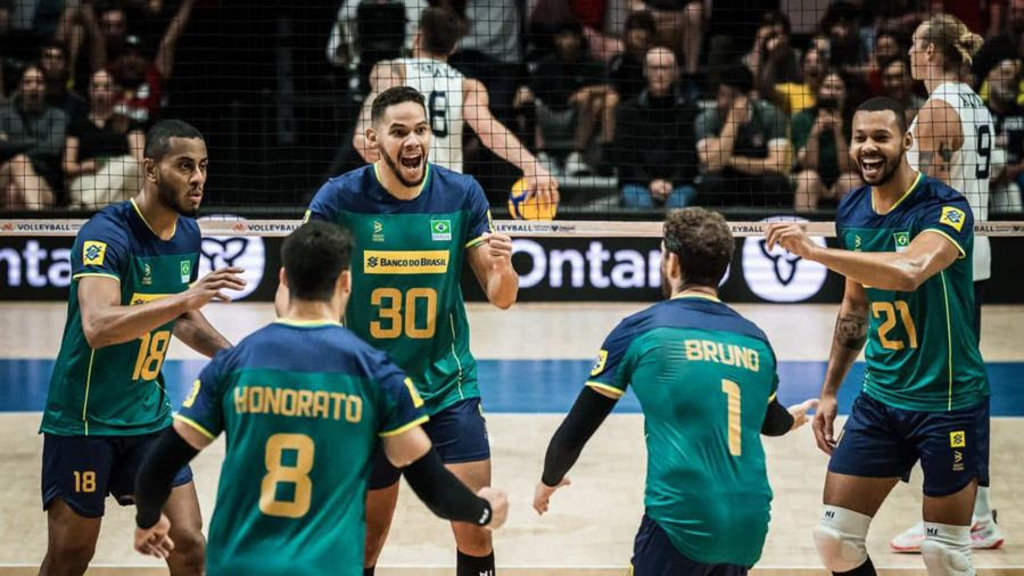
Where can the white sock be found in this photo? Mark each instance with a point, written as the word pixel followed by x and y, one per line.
pixel 982 508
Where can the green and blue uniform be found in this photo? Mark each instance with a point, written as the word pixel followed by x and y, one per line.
pixel 704 376
pixel 925 389
pixel 302 405
pixel 406 296
pixel 104 404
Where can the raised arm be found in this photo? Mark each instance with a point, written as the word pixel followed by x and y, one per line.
pixel 929 253
pixel 476 109
pixel 491 261
pixel 938 134
pixel 169 44
pixel 197 333
pixel 385 74
pixel 106 322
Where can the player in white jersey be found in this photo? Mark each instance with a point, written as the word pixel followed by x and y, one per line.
pixel 954 139
pixel 452 99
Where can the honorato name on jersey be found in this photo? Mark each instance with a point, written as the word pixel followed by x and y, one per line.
pixel 298 403
pixel 728 354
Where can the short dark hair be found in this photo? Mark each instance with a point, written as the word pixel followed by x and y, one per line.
pixel 703 242
pixel 313 257
pixel 641 20
pixel 158 138
pixel 884 103
pixel 440 30
pixel 738 76
pixel 393 97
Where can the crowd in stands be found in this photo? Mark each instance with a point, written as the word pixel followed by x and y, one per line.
pixel 676 102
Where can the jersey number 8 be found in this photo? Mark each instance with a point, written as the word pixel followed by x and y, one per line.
pixel 295 474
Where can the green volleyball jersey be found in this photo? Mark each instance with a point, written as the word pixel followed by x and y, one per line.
pixel 922 352
pixel 302 405
pixel 118 390
pixel 406 268
pixel 704 376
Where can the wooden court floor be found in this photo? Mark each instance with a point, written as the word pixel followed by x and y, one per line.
pixel 590 528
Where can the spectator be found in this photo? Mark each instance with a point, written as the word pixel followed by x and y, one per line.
pixel 772 60
pixel 103 151
pixel 78 28
pixel 571 99
pixel 898 84
pixel 654 147
pixel 841 22
pixel 143 81
pixel 793 97
pixel 1008 117
pixel 680 25
pixel 490 52
pixel 821 138
pixel 887 47
pixel 31 137
pixel 743 147
pixel 627 68
pixel 1006 46
pixel 54 63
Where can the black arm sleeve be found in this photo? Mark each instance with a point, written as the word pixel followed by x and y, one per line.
pixel 579 425
pixel 443 493
pixel 169 454
pixel 777 421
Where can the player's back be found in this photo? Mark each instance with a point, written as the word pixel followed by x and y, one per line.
pixel 704 376
pixel 970 166
pixel 921 353
pixel 302 405
pixel 441 86
pixel 118 389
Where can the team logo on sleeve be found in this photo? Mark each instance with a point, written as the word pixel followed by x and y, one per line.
pixel 602 358
pixel 93 253
pixel 440 230
pixel 958 439
pixel 902 240
pixel 952 217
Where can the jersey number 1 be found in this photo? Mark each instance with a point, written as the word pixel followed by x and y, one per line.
pixel 732 390
pixel 295 473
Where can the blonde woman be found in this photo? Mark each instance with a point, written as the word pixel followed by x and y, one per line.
pixel 954 138
pixel 103 150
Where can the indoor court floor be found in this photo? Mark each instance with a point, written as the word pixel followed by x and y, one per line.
pixel 533 360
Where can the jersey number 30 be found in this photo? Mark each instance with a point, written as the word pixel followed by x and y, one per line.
pixel 394 321
pixel 281 475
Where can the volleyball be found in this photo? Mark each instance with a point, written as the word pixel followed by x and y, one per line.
pixel 523 208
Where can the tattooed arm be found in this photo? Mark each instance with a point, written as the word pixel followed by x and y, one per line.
pixel 850 336
pixel 938 134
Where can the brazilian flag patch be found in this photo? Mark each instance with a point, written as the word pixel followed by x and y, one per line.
pixel 952 217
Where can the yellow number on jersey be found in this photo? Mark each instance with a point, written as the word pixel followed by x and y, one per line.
pixel 890 310
pixel 391 323
pixel 278 473
pixel 732 390
pixel 152 350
